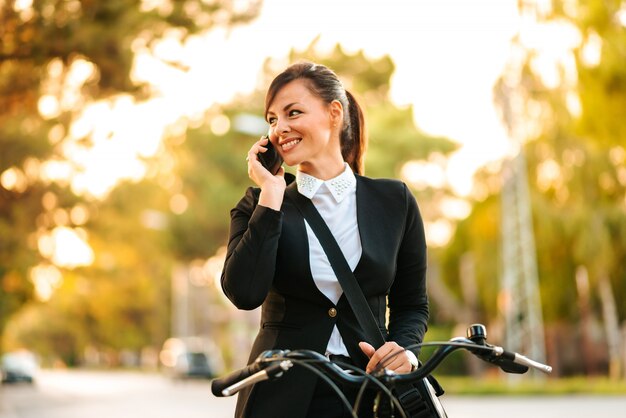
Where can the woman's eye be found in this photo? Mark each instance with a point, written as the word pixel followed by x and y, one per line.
pixel 271 120
pixel 294 112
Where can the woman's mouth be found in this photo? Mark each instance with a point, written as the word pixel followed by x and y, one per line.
pixel 290 144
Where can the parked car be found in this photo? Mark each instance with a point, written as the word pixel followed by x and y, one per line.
pixel 193 365
pixel 18 366
pixel 188 358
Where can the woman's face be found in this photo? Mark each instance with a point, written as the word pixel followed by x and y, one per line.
pixel 304 128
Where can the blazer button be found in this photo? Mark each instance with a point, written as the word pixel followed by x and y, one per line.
pixel 332 312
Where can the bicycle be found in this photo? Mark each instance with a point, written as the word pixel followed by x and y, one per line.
pixel 272 364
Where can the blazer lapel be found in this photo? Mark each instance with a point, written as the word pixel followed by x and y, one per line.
pixel 366 220
pixel 297 242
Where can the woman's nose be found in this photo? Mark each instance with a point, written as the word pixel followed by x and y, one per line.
pixel 281 127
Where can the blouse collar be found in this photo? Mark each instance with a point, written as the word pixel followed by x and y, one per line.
pixel 339 186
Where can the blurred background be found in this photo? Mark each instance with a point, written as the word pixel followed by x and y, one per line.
pixel 124 126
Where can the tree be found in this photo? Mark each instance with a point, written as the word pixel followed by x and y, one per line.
pixel 55 58
pixel 575 159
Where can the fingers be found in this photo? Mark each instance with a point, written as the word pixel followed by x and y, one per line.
pixel 399 363
pixel 257 172
pixel 252 157
pixel 367 349
pixel 380 354
pixel 256 148
pixel 390 354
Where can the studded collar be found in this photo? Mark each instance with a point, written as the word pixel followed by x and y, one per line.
pixel 339 186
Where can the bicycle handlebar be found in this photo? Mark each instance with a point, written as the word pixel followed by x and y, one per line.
pixel 273 363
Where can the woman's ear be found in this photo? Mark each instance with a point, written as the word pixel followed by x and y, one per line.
pixel 336 113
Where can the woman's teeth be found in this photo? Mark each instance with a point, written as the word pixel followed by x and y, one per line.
pixel 290 144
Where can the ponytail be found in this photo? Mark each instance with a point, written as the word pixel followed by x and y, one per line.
pixel 353 135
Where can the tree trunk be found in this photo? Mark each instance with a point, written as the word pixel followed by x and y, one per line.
pixel 586 321
pixel 611 326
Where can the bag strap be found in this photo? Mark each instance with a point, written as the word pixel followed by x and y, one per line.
pixel 340 266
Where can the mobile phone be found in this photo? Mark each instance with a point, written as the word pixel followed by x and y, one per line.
pixel 270 159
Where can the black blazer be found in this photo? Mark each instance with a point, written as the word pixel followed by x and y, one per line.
pixel 267 264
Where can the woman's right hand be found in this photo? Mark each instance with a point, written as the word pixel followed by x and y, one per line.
pixel 272 186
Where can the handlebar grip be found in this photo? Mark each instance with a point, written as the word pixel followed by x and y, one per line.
pixel 512 362
pixel 221 383
pixel 520 359
pixel 507 363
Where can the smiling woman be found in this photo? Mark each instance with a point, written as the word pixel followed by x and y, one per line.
pixel 275 259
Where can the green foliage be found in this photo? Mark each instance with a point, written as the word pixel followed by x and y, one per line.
pixel 478 235
pixel 394 140
pixel 40 42
pixel 496 384
pixel 602 86
pixel 577 177
pixel 213 173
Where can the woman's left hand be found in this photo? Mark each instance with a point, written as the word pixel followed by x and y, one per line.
pixel 399 363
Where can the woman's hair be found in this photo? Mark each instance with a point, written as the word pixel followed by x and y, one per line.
pixel 325 84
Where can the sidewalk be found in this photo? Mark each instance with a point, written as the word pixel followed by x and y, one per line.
pixel 5 410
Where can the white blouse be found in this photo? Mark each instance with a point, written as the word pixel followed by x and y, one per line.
pixel 335 200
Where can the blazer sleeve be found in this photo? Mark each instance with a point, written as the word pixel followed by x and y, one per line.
pixel 408 300
pixel 251 255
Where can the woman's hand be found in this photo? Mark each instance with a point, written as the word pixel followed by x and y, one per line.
pixel 399 363
pixel 272 186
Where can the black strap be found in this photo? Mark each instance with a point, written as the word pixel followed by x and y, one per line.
pixel 340 266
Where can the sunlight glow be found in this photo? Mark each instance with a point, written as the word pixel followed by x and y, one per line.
pixel 179 204
pixel 549 175
pixel 220 125
pixel 617 155
pixel 424 174
pixel 56 171
pixel 49 106
pixel 213 267
pixel 592 50
pixel 79 214
pixel 122 133
pixel 66 247
pixel 621 15
pixel 153 219
pixel 21 5
pixel 454 208
pixel 553 43
pixel 24 8
pixel 438 233
pixel 572 102
pixel 14 179
pixel 46 278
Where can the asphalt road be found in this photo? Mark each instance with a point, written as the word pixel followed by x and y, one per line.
pixel 88 394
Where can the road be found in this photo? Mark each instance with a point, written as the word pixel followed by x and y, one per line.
pixel 80 394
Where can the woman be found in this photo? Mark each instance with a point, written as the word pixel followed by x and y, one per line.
pixel 275 261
